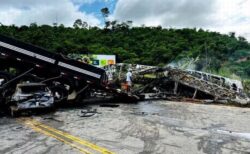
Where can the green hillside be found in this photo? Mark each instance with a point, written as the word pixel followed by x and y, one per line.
pixel 218 53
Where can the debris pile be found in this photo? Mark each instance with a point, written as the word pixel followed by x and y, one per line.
pixel 164 83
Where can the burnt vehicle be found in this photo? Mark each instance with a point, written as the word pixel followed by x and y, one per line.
pixel 172 83
pixel 31 96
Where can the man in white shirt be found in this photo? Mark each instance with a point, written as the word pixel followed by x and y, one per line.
pixel 129 80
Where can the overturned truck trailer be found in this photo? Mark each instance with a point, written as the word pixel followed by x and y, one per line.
pixel 67 79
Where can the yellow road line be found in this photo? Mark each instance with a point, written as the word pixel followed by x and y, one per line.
pixel 76 139
pixel 36 124
pixel 60 139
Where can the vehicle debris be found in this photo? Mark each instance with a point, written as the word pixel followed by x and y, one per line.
pixel 88 113
pixel 165 82
pixel 30 96
pixel 52 118
pixel 140 113
pixel 109 105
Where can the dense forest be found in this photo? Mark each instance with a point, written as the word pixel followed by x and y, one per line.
pixel 227 55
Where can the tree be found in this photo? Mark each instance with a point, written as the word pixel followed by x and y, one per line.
pixel 55 24
pixel 113 24
pixel 243 39
pixel 107 24
pixel 143 45
pixel 105 13
pixel 61 26
pixel 84 25
pixel 232 34
pixel 77 23
pixel 34 25
pixel 130 23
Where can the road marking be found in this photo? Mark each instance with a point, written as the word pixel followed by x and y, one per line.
pixel 60 139
pixel 63 136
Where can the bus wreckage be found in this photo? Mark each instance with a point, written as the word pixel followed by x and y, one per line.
pixel 173 83
pixel 34 78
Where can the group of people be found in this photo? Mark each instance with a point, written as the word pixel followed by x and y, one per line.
pixel 128 79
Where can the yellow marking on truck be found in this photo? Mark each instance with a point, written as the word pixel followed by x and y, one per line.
pixel 63 136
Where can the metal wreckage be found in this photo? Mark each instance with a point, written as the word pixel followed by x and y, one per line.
pixel 173 83
pixel 31 78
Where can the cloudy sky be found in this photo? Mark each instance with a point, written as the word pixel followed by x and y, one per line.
pixel 216 15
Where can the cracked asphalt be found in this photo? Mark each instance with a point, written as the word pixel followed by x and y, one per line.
pixel 150 127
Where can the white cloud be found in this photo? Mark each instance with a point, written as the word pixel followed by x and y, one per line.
pixel 24 12
pixel 90 1
pixel 83 1
pixel 218 15
pixel 165 12
pixel 233 16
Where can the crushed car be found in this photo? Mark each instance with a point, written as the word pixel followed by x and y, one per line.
pixel 31 96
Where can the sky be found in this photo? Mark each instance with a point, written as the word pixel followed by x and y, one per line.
pixel 215 15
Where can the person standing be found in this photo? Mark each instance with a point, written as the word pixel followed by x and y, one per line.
pixel 129 80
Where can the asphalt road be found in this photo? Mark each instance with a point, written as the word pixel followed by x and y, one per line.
pixel 156 127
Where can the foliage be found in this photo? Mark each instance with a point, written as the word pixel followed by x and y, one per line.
pixel 144 45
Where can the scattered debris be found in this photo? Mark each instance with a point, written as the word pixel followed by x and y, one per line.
pixel 140 113
pixel 52 118
pixel 109 105
pixel 87 113
pixel 19 127
pixel 144 113
pixel 208 101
